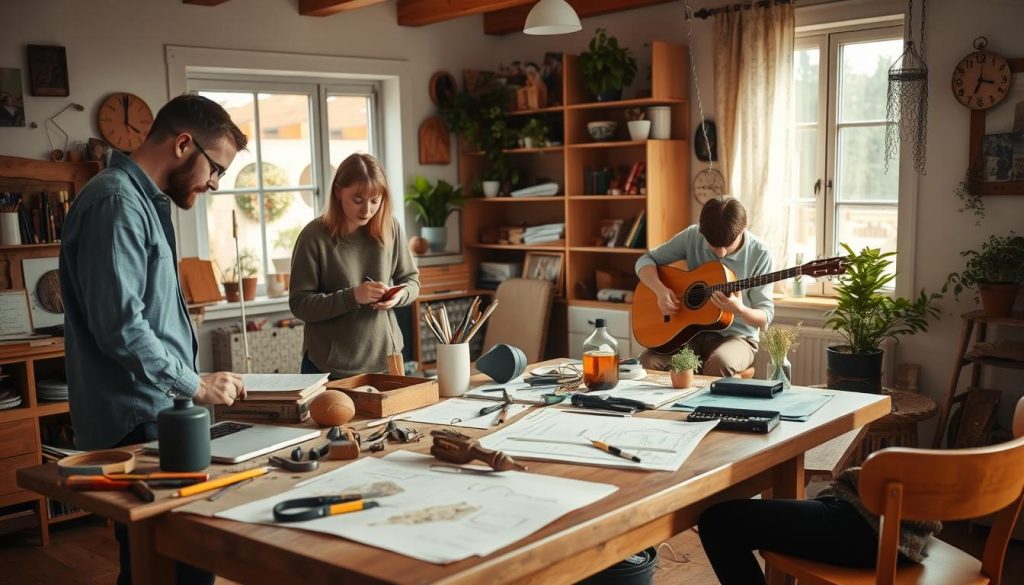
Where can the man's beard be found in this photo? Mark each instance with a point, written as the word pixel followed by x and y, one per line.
pixel 179 183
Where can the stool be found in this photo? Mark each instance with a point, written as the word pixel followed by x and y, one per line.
pixel 898 428
pixel 747 373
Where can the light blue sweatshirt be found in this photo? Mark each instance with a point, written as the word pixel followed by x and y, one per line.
pixel 752 259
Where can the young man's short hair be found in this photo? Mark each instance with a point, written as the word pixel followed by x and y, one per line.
pixel 201 117
pixel 722 220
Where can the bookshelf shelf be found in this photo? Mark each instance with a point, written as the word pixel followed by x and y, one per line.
pixel 607 250
pixel 553 199
pixel 538 112
pixel 17 247
pixel 608 198
pixel 552 247
pixel 540 150
pixel 631 103
pixel 614 144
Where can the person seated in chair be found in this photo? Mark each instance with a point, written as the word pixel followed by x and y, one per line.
pixel 720 236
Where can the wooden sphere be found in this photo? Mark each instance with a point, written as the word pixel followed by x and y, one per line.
pixel 419 245
pixel 332 408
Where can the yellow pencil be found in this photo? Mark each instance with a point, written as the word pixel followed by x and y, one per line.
pixel 219 482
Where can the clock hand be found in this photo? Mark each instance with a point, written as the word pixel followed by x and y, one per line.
pixel 124 105
pixel 977 87
pixel 133 127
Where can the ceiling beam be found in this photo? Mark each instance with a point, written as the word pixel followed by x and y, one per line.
pixel 422 12
pixel 511 20
pixel 204 2
pixel 329 7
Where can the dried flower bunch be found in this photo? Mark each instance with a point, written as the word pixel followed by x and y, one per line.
pixel 778 342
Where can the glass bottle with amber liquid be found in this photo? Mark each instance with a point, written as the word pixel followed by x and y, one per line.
pixel 600 359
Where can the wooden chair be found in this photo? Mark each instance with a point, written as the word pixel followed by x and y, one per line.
pixel 925 484
pixel 521 319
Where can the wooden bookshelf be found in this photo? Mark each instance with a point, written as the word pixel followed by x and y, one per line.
pixel 666 202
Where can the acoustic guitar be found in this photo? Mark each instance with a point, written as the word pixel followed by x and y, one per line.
pixel 693 288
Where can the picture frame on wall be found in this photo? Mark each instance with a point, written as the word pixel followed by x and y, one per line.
pixel 549 266
pixel 48 71
pixel 996 144
pixel 12 99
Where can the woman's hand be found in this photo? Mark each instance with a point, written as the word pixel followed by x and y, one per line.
pixel 384 306
pixel 370 292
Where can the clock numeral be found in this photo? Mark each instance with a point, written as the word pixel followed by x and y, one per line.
pixel 1001 89
pixel 1003 68
pixel 991 100
pixel 982 57
pixel 1004 79
pixel 959 82
pixel 961 92
pixel 979 102
pixel 960 71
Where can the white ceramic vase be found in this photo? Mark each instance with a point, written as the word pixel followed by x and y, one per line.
pixel 436 237
pixel 453 369
pixel 661 122
pixel 639 129
pixel 491 188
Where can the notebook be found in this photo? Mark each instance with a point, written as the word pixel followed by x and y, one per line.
pixel 233 442
pixel 281 386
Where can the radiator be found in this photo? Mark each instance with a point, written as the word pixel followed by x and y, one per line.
pixel 809 361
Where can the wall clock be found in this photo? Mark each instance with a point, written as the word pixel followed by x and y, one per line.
pixel 124 120
pixel 981 79
pixel 707 185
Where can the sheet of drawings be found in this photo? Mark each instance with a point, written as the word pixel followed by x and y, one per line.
pixel 519 391
pixel 462 413
pixel 649 392
pixel 435 516
pixel 549 434
pixel 793 404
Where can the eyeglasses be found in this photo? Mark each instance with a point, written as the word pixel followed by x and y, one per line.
pixel 221 171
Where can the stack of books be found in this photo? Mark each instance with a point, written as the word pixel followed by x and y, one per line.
pixel 492 274
pixel 542 234
pixel 274 397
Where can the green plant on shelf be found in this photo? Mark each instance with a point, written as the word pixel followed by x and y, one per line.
pixel 1000 261
pixel 432 204
pixel 536 129
pixel 605 66
pixel 248 263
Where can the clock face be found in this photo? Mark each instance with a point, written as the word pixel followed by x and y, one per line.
pixel 124 121
pixel 707 185
pixel 981 80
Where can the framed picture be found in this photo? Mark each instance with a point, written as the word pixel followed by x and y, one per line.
pixel 547 266
pixel 12 100
pixel 997 141
pixel 48 70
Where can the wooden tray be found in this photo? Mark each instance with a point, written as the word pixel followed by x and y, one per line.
pixel 397 393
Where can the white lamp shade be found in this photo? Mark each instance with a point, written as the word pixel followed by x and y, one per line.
pixel 552 17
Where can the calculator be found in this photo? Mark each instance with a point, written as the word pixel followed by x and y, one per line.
pixel 737 419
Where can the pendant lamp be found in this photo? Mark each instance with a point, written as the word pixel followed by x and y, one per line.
pixel 552 17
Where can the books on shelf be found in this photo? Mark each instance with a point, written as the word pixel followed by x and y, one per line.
pixel 637 235
pixel 631 184
pixel 541 234
pixel 542 190
pixel 491 274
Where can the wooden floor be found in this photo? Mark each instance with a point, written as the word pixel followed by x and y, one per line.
pixel 85 552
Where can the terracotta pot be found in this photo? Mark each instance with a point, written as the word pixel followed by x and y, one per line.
pixel 249 288
pixel 997 299
pixel 682 379
pixel 232 293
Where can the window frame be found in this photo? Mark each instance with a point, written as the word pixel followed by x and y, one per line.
pixel 828 38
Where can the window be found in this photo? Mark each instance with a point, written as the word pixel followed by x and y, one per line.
pixel 298 135
pixel 842 191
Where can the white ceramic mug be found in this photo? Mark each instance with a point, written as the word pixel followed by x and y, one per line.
pixel 10 231
pixel 661 122
pixel 453 369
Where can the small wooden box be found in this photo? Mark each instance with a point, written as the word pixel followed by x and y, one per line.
pixel 397 393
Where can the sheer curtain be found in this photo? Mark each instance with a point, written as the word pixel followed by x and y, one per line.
pixel 754 107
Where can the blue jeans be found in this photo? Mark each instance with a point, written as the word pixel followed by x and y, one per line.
pixel 186 574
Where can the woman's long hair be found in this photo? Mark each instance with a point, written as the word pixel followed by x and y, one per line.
pixel 365 172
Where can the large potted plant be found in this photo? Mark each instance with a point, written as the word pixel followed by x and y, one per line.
pixel 866 315
pixel 432 205
pixel 996 272
pixel 606 67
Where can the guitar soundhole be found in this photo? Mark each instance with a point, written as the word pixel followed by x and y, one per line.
pixel 695 295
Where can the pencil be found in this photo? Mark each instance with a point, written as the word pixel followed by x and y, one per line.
pixel 219 482
pixel 483 319
pixel 614 450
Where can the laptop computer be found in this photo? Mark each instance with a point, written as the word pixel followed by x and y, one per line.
pixel 233 442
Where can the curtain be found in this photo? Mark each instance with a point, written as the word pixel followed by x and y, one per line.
pixel 754 106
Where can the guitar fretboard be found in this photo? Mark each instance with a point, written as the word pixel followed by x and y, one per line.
pixel 738 285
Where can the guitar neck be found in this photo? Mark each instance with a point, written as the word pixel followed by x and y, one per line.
pixel 753 281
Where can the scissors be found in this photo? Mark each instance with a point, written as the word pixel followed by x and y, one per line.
pixel 311 508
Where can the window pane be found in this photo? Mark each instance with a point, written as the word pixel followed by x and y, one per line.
pixel 348 121
pixel 866 225
pixel 222 245
pixel 239 105
pixel 864 79
pixel 861 173
pixel 284 133
pixel 805 73
pixel 805 172
pixel 803 231
pixel 284 229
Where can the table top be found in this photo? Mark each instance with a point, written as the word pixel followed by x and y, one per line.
pixel 723 460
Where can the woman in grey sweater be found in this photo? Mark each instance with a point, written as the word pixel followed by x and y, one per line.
pixel 342 265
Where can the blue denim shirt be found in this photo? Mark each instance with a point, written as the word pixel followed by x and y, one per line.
pixel 130 345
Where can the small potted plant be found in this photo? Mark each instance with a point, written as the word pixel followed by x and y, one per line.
pixel 996 272
pixel 778 342
pixel 432 205
pixel 682 366
pixel 639 126
pixel 232 288
pixel 866 315
pixel 249 268
pixel 534 134
pixel 606 67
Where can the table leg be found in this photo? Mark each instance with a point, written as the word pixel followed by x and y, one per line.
pixel 147 565
pixel 787 484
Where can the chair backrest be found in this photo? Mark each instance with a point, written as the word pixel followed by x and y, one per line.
pixel 1018 419
pixel 924 484
pixel 521 318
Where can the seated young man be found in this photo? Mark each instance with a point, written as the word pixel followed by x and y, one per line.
pixel 721 236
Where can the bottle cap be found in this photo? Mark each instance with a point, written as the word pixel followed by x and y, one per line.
pixel 599 323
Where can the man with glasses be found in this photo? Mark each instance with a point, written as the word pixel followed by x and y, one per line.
pixel 130 344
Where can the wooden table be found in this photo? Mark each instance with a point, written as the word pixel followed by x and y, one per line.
pixel 648 508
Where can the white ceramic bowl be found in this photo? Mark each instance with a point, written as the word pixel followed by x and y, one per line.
pixel 602 130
